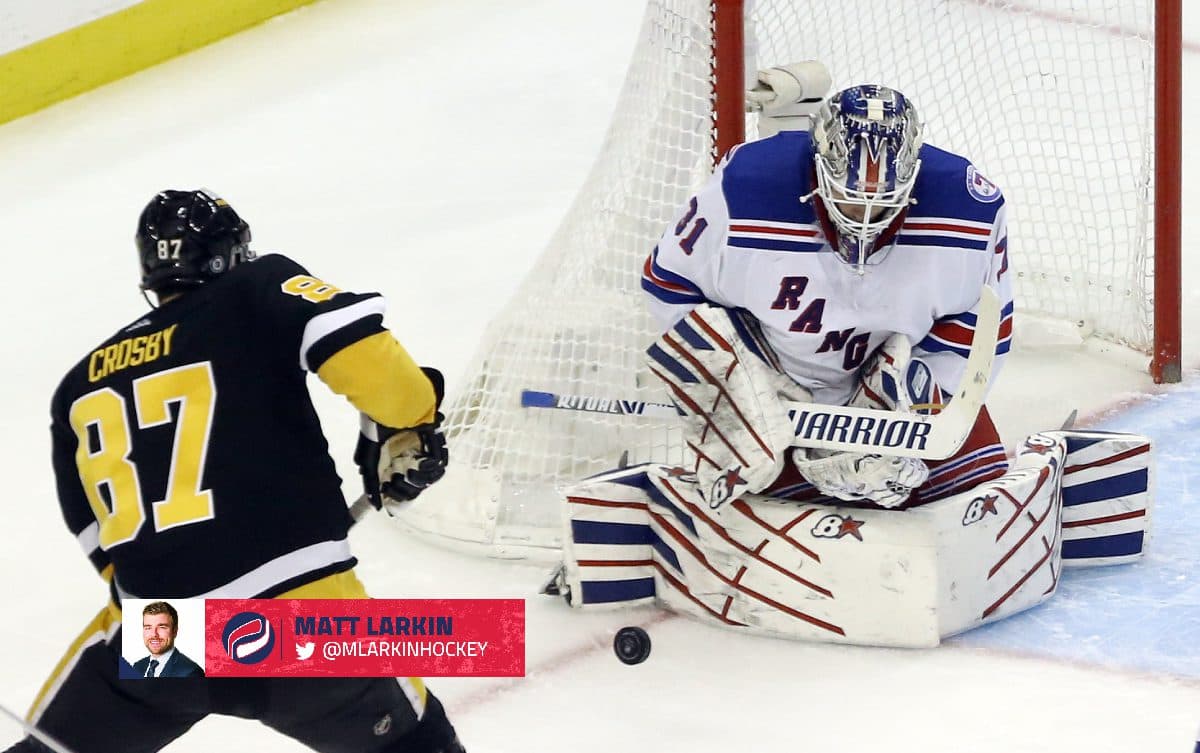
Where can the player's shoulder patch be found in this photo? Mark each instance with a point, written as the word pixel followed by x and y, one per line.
pixel 982 189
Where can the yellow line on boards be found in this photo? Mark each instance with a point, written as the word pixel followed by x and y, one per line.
pixel 116 45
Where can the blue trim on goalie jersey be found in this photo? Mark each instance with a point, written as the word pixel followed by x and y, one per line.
pixel 764 179
pixel 609 591
pixel 942 241
pixel 1118 545
pixel 672 365
pixel 1134 482
pixel 933 344
pixel 667 286
pixel 672 297
pixel 770 244
pixel 941 190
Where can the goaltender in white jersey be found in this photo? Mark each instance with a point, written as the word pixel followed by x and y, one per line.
pixel 843 266
pixel 837 243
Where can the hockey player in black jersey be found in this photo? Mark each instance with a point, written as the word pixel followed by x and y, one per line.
pixel 190 462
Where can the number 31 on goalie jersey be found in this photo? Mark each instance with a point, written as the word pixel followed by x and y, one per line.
pixel 101 425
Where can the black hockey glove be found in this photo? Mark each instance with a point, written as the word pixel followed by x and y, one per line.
pixel 398 464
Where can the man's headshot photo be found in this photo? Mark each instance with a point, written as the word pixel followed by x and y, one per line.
pixel 160 631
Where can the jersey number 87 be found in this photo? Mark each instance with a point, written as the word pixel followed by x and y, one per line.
pixel 108 465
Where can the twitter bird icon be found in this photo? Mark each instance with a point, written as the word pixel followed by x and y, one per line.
pixel 304 651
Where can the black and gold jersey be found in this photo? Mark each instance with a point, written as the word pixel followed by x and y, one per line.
pixel 186 449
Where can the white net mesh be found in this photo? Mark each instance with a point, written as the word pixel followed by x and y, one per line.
pixel 1052 100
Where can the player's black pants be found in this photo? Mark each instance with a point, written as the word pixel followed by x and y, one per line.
pixel 91 711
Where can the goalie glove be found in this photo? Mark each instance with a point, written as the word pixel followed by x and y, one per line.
pixel 786 96
pixel 891 380
pixel 853 476
pixel 398 464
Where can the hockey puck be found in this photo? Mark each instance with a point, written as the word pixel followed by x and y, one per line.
pixel 631 645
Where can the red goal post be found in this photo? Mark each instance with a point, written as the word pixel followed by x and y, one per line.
pixel 1071 106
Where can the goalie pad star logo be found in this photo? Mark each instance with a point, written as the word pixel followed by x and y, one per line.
pixel 723 487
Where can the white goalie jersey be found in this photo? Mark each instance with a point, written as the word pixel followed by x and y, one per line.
pixel 753 238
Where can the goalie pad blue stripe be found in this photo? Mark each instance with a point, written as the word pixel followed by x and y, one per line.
pixel 1134 482
pixel 605 591
pixel 592 532
pixel 638 479
pixel 660 500
pixel 667 553
pixel 691 336
pixel 1122 544
pixel 1077 440
pixel 670 364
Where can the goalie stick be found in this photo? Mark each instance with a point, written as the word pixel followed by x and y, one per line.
pixel 849 429
pixel 610 405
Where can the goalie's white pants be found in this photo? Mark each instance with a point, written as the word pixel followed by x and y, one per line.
pixel 863 576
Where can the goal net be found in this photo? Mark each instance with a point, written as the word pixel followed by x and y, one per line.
pixel 1051 99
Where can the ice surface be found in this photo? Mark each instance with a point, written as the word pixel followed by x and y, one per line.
pixel 427 150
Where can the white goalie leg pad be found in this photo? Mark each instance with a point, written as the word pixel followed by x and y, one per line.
pixel 861 576
pixel 645 532
pixel 1107 491
pixel 727 381
pixel 608 543
pixel 910 578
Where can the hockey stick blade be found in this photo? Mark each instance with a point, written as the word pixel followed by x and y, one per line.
pixel 910 435
pixel 360 507
pixel 586 404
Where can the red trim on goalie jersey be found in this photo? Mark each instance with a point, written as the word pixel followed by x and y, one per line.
pixel 666 285
pixel 955 333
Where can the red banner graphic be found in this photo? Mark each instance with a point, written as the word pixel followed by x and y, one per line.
pixel 364 637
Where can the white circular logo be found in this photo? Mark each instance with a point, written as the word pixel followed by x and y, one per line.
pixel 980 187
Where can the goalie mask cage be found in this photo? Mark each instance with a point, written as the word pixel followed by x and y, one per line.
pixel 1054 100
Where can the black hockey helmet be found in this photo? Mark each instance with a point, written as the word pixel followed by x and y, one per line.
pixel 185 238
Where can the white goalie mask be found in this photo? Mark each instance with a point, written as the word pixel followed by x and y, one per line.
pixel 867 141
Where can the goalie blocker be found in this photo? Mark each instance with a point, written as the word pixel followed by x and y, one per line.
pixel 860 576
